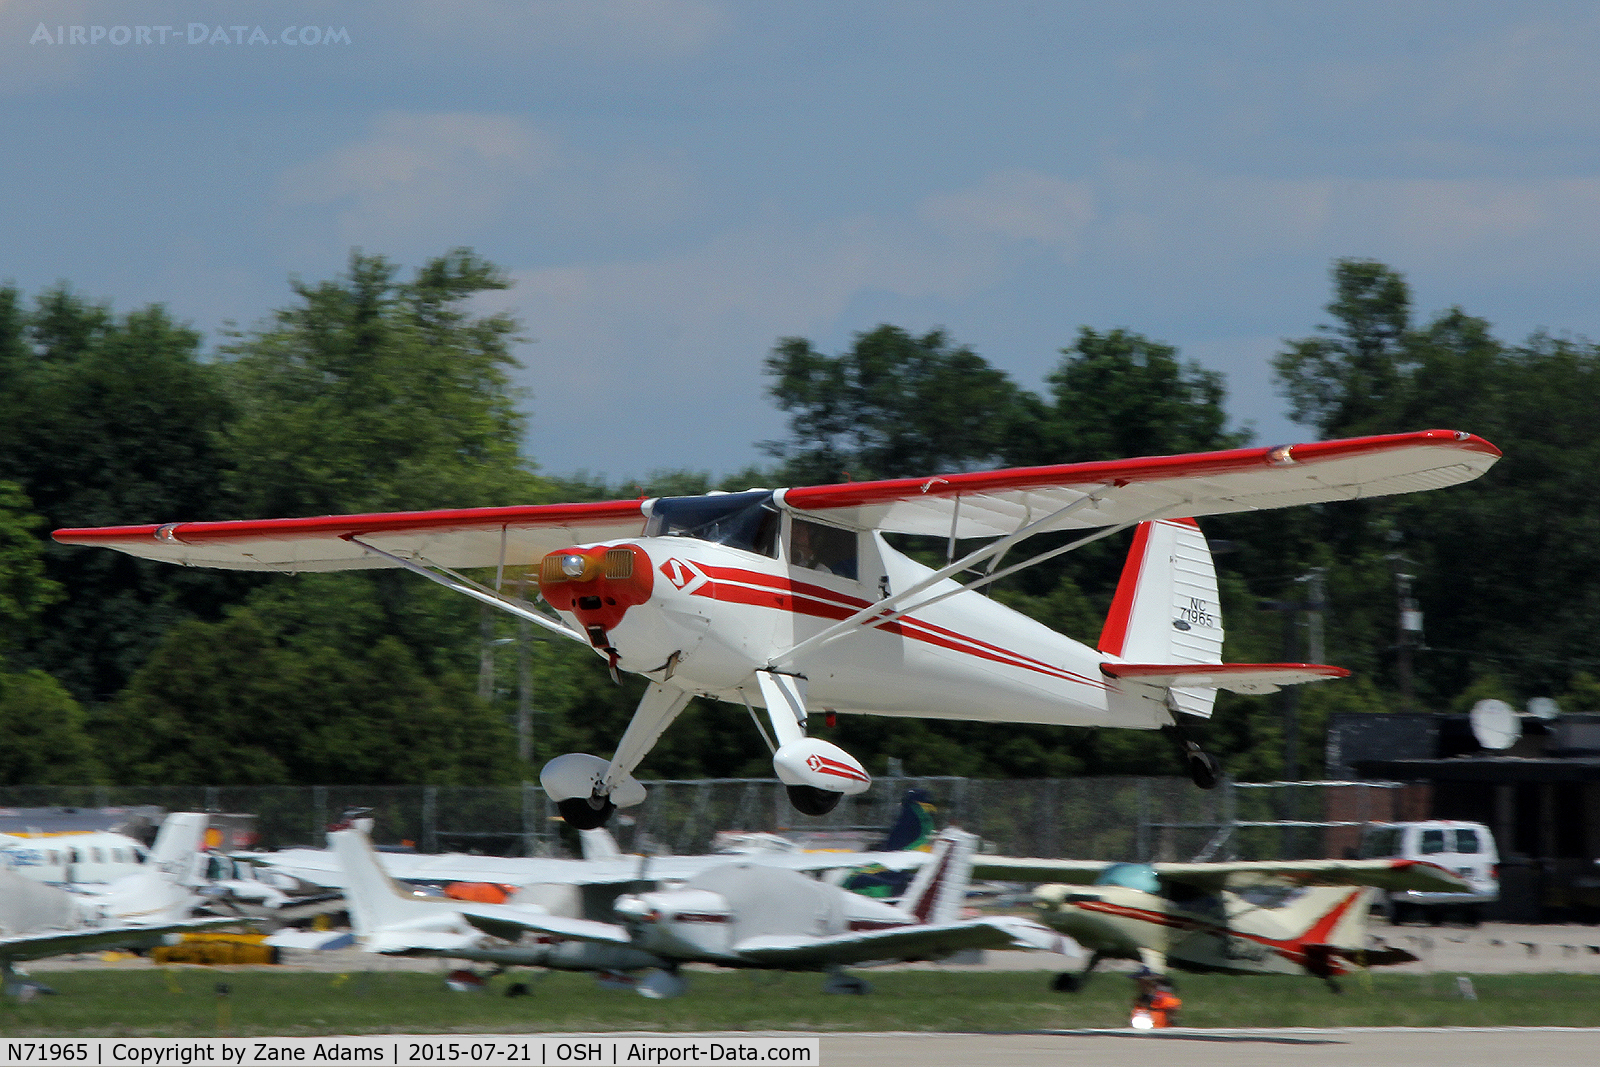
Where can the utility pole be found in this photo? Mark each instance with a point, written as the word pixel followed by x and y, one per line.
pixel 1315 583
pixel 1409 635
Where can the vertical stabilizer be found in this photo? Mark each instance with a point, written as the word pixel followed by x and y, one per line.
pixel 938 891
pixel 1166 609
pixel 179 839
pixel 1331 915
pixel 374 898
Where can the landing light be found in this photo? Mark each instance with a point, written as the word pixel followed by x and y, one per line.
pixel 572 565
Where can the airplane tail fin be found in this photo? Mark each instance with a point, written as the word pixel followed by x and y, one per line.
pixel 1165 628
pixel 1166 609
pixel 914 828
pixel 940 887
pixel 181 835
pixel 374 898
pixel 1331 915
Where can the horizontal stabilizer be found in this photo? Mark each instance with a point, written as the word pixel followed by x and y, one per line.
pixel 1251 678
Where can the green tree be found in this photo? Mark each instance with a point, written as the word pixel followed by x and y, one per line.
pixel 44 736
pixel 894 405
pixel 1120 394
pixel 107 420
pixel 255 699
pixel 371 394
pixel 1345 380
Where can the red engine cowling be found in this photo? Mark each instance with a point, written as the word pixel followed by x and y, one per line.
pixel 598 585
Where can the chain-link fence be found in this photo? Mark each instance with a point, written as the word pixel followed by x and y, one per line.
pixel 1113 818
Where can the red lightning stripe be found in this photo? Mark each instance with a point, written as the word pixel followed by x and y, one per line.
pixel 740 586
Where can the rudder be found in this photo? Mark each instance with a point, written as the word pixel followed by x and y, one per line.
pixel 1166 608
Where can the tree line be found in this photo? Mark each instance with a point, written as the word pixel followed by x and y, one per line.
pixel 377 391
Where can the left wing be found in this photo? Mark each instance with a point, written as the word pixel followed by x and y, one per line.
pixel 932 941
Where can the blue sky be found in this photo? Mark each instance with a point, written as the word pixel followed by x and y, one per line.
pixel 675 184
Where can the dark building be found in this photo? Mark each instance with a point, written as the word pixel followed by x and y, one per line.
pixel 1540 796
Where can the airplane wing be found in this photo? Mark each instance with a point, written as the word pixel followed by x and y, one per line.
pixel 932 941
pixel 459 537
pixel 972 504
pixel 321 867
pixel 1034 869
pixel 65 942
pixel 510 923
pixel 1392 874
pixel 996 503
pixel 1249 678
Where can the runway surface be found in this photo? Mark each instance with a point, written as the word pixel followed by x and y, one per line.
pixel 1494 948
pixel 1222 1048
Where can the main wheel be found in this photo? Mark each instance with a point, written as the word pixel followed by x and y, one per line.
pixel 581 813
pixel 809 800
pixel 1203 768
pixel 1066 982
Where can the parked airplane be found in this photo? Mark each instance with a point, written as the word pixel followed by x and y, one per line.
pixel 1289 917
pixel 604 869
pixel 792 599
pixel 38 920
pixel 59 859
pixel 740 914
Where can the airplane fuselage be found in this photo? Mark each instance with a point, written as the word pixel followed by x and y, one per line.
pixel 708 616
pixel 1220 933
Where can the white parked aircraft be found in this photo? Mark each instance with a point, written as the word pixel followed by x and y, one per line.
pixel 602 872
pixel 739 914
pixel 793 600
pixel 1255 917
pixel 138 911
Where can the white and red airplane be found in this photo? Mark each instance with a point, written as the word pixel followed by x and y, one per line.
pixel 1251 917
pixel 792 599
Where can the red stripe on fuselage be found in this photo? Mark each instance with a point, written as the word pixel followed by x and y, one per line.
pixel 739 586
pixel 1292 949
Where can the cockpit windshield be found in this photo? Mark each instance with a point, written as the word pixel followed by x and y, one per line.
pixel 1140 876
pixel 739 520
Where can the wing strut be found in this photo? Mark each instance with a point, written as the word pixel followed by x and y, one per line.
pixel 460 583
pixel 886 610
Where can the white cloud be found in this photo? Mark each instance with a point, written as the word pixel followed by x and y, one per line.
pixel 1017 205
pixel 418 177
pixel 603 28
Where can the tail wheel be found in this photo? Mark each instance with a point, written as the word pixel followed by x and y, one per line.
pixel 581 813
pixel 809 800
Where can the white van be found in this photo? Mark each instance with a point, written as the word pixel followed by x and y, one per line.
pixel 1467 848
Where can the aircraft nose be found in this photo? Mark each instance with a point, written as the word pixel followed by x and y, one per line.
pixel 598 584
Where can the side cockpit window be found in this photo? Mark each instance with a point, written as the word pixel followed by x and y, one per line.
pixel 817 547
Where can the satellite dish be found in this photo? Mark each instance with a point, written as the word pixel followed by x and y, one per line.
pixel 1543 708
pixel 1494 724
